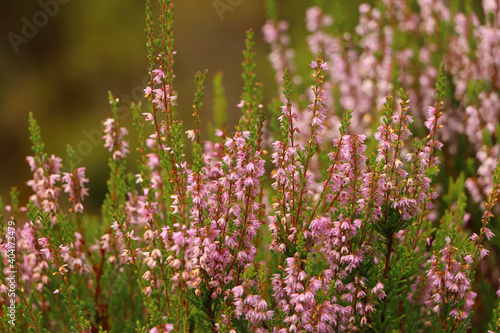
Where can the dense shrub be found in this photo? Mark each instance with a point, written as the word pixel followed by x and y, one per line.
pixel 360 199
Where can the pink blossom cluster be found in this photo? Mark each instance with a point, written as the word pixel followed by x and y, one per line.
pixel 114 139
pixel 362 68
pixel 75 187
pixel 46 175
pixel 337 215
pixel 450 283
pixel 281 55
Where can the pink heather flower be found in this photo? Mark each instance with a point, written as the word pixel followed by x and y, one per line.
pixel 47 253
pixel 74 186
pixel 191 134
pixel 43 241
pixel 113 139
pixel 156 254
pixel 364 8
pixel 474 237
pixel 148 290
pixel 149 116
pixel 454 313
pixel 316 19
pixel 430 123
pixel 115 226
pixel 238 291
pixel 31 162
pixel 490 6
pixel 44 184
pixel 158 76
pixel 270 32
pixel 378 287
pixel 488 233
pixel 281 57
pixel 314 65
pixel 483 253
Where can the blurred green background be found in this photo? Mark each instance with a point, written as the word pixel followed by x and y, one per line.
pixel 63 70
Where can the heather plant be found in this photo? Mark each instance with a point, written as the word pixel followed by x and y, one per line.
pixel 401 44
pixel 336 208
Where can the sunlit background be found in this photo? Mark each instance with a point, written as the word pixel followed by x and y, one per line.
pixel 63 69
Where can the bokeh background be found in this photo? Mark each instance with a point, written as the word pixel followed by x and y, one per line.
pixel 63 69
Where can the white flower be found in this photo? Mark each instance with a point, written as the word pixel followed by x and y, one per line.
pixel 191 134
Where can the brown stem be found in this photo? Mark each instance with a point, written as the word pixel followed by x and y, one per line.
pixel 388 255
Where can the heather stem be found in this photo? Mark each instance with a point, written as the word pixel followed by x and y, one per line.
pixel 432 144
pixel 488 214
pixel 332 169
pixel 318 104
pixel 28 306
pixel 389 245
